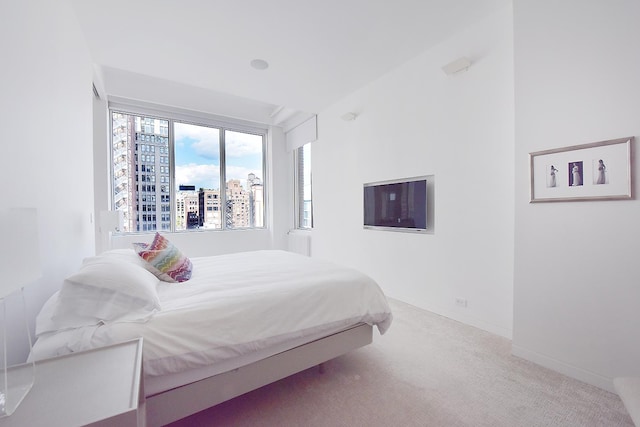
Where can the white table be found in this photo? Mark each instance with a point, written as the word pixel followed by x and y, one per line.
pixel 101 387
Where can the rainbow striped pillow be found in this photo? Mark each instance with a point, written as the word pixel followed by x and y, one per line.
pixel 169 264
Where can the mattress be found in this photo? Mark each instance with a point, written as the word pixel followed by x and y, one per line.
pixel 235 309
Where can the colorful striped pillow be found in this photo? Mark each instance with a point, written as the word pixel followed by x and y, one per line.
pixel 167 260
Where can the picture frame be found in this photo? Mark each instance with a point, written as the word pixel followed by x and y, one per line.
pixel 595 171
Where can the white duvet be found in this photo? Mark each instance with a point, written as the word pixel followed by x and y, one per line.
pixel 233 305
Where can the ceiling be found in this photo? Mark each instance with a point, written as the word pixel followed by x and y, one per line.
pixel 318 51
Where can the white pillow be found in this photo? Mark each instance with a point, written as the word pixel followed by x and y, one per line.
pixel 44 323
pixel 105 290
pixel 130 255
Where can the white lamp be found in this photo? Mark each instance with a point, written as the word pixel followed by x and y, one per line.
pixel 19 266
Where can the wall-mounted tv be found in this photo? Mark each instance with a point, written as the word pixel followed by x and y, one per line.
pixel 396 205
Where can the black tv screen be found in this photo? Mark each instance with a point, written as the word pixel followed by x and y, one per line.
pixel 397 204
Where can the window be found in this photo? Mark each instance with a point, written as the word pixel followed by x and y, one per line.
pixel 205 176
pixel 304 206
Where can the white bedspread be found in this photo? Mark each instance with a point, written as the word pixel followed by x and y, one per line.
pixel 233 305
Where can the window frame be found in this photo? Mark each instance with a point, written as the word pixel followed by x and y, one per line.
pixel 298 192
pixel 173 115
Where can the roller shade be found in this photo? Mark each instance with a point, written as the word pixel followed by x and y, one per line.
pixel 307 131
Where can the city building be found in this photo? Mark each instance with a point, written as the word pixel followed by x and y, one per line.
pixel 187 212
pixel 141 187
pixel 209 209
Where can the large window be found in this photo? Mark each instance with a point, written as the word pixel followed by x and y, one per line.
pixel 304 217
pixel 171 174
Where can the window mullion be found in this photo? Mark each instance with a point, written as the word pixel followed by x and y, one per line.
pixel 172 179
pixel 301 184
pixel 296 187
pixel 223 179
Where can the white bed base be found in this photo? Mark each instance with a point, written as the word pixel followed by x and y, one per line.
pixel 180 402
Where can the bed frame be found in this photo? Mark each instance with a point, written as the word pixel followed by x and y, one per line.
pixel 180 402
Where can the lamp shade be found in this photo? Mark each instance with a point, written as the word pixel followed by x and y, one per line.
pixel 19 253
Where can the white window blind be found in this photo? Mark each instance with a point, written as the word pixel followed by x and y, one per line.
pixel 305 132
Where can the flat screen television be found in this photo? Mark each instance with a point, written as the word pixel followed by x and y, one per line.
pixel 396 205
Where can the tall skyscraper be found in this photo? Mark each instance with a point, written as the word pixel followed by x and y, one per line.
pixel 141 172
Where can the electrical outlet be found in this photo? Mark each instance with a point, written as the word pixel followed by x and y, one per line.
pixel 461 302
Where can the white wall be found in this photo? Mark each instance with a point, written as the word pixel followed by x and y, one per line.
pixel 46 162
pixel 577 288
pixel 418 121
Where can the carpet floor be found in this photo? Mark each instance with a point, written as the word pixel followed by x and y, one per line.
pixel 427 370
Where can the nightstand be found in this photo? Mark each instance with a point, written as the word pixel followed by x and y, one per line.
pixel 100 387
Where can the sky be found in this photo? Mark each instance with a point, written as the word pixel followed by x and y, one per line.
pixel 197 156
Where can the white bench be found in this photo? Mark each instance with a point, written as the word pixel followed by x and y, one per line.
pixel 628 389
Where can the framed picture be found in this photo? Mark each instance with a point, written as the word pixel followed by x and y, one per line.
pixel 596 171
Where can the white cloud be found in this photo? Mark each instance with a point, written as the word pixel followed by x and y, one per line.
pixel 206 148
pixel 206 176
pixel 206 139
pixel 241 173
pixel 242 144
pixel 204 142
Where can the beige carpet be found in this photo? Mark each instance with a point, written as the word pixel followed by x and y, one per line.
pixel 426 371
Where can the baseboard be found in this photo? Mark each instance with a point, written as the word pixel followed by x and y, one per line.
pixel 564 368
pixel 480 324
pixel 466 319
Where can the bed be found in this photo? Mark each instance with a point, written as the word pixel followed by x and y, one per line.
pixel 239 322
